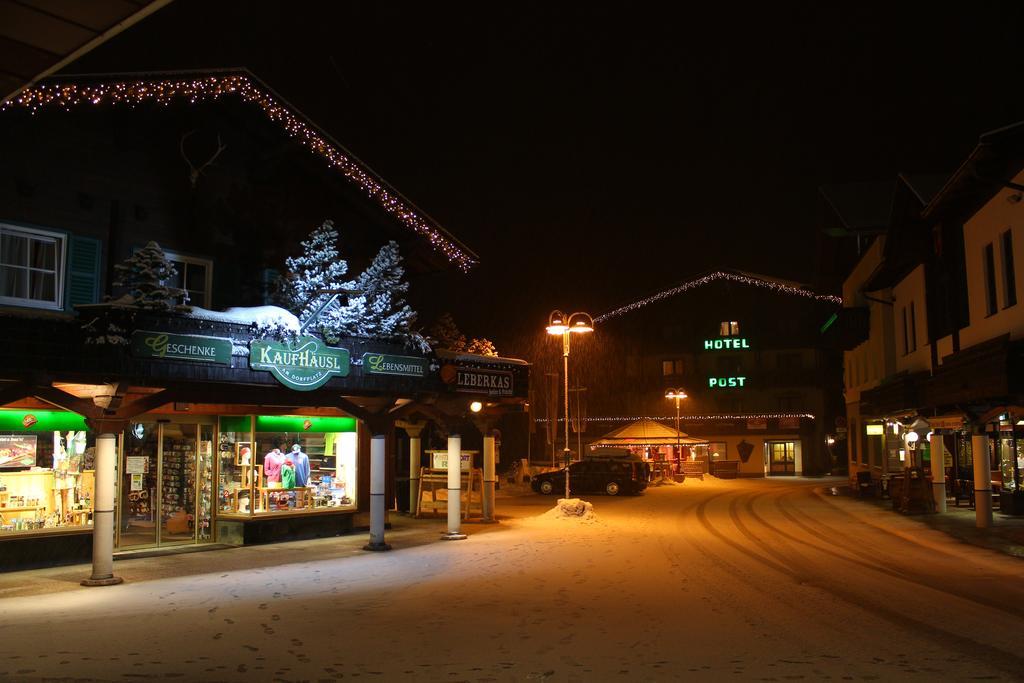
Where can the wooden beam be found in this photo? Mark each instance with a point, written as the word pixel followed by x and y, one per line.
pixel 143 405
pixel 14 392
pixel 66 401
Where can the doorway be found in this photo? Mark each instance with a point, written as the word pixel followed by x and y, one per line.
pixel 165 484
pixel 781 458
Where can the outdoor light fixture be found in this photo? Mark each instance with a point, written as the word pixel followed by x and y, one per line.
pixel 678 395
pixel 556 323
pixel 561 324
pixel 476 406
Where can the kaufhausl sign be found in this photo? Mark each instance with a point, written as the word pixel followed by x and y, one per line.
pixel 385 364
pixel 303 365
pixel 181 347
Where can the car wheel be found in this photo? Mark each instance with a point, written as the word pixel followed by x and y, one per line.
pixel 612 488
pixel 547 487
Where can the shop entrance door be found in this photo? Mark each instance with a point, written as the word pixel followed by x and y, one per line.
pixel 166 484
pixel 781 458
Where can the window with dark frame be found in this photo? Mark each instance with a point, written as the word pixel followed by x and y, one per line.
pixel 990 279
pixel 906 342
pixel 913 328
pixel 1009 274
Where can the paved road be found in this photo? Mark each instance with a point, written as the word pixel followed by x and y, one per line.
pixel 747 580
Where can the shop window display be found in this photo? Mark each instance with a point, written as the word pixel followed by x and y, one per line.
pixel 297 469
pixel 47 480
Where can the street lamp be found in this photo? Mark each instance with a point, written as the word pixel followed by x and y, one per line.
pixel 561 324
pixel 678 395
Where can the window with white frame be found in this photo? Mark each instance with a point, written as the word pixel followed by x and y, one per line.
pixel 195 276
pixel 31 267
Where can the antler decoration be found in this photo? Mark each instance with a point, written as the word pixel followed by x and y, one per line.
pixel 194 172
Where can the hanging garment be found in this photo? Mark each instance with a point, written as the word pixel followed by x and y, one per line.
pixel 288 475
pixel 272 462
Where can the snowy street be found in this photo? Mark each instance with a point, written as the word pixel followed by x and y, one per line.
pixel 746 579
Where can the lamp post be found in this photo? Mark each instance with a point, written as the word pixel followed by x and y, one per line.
pixel 561 324
pixel 678 395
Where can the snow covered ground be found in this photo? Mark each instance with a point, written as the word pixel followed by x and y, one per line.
pixel 762 580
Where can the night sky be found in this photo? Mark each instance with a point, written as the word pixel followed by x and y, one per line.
pixel 592 154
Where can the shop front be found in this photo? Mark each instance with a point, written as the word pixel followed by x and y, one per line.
pixel 182 479
pixel 256 441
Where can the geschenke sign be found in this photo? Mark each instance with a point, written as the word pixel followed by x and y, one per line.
pixel 385 364
pixel 303 365
pixel 181 347
pixel 726 382
pixel 726 343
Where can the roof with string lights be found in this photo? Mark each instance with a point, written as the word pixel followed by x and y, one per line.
pixel 132 90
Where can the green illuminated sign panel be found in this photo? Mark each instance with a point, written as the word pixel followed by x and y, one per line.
pixel 726 382
pixel 40 421
pixel 726 343
pixel 303 365
pixel 191 347
pixel 300 423
pixel 384 364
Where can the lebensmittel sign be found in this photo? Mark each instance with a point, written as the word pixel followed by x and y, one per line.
pixel 303 365
pixel 386 364
pixel 191 347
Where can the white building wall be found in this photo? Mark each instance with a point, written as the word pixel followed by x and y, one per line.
pixel 1003 212
pixel 912 351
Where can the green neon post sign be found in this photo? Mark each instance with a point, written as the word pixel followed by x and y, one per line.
pixel 726 382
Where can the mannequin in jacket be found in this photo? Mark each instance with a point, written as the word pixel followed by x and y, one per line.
pixel 301 462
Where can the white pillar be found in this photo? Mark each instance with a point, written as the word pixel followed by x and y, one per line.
pixel 798 458
pixel 414 473
pixel 982 481
pixel 103 514
pixel 454 489
pixel 377 486
pixel 489 478
pixel 938 455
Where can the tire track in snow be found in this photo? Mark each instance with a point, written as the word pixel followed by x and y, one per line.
pixel 872 561
pixel 1005 661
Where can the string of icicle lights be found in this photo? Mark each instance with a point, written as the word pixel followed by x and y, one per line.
pixel 688 418
pixel 208 88
pixel 719 275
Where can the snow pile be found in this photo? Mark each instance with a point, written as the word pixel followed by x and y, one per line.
pixel 572 508
pixel 262 316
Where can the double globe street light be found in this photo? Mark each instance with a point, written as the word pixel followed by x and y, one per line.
pixel 678 395
pixel 561 324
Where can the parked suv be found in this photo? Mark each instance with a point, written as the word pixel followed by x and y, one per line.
pixel 607 470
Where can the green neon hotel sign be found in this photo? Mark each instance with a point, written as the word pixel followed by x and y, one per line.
pixel 726 343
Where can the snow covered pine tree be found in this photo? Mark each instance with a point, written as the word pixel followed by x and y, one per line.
pixel 319 269
pixel 379 310
pixel 446 334
pixel 145 274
